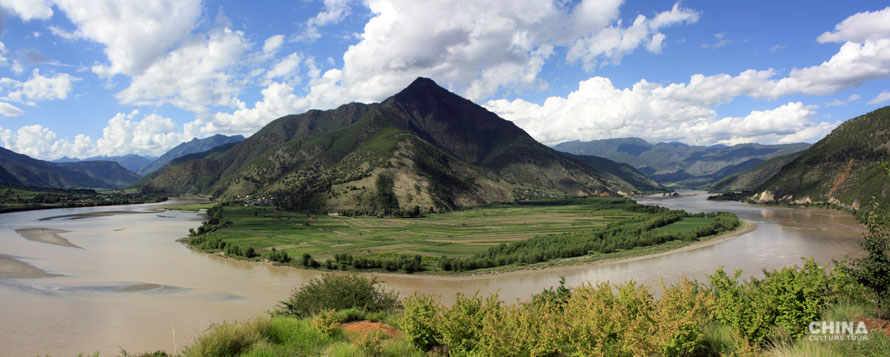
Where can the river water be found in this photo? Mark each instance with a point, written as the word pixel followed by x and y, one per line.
pixel 132 286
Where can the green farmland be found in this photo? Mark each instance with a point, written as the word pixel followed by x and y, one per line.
pixel 460 236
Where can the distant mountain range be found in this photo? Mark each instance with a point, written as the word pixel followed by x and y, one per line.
pixel 190 147
pixel 21 170
pixel 842 168
pixel 679 165
pixel 131 162
pixel 423 147
pixel 144 165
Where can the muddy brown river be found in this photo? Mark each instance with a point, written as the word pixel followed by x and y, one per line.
pixel 122 280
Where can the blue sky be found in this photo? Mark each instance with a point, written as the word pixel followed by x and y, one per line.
pixel 84 78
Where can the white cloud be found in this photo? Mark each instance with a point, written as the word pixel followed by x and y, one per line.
pixel 776 48
pixel 837 102
pixel 39 142
pixel 9 110
pixel 272 44
pixel 721 41
pixel 40 88
pixel 880 98
pixel 481 47
pixel 278 100
pixel 286 68
pixel 192 76
pixel 29 9
pixel 334 11
pixel 861 27
pixel 598 110
pixel 135 33
pixel 152 135
pixel 610 44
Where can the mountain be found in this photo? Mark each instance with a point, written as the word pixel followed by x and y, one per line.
pixel 194 146
pixel 680 165
pixel 751 179
pixel 130 162
pixel 424 147
pixel 842 168
pixel 21 170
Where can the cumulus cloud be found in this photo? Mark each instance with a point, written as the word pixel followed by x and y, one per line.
pixel 278 100
pixel 152 135
pixel 610 44
pixel 861 27
pixel 42 143
pixel 654 112
pixel 286 69
pixel 39 88
pixel 29 9
pixel 125 133
pixel 131 48
pixel 333 12
pixel 192 76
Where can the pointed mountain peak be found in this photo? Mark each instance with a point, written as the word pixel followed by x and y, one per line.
pixel 423 88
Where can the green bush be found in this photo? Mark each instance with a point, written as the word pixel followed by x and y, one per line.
pixel 419 322
pixel 230 339
pixel 338 292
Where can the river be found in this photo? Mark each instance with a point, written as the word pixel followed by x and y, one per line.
pixel 126 282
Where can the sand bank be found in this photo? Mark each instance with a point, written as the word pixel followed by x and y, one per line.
pixel 46 235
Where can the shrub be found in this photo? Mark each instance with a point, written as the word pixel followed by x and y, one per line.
pixel 230 339
pixel 326 322
pixel 338 292
pixel 419 322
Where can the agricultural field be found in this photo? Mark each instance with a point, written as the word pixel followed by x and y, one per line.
pixel 478 238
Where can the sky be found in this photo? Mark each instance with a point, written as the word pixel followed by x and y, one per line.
pixel 84 78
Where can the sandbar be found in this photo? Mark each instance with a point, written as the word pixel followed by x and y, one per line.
pixel 14 268
pixel 138 287
pixel 46 235
pixel 91 215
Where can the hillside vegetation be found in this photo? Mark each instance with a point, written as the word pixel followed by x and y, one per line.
pixel 842 168
pixel 18 170
pixel 440 151
pixel 679 165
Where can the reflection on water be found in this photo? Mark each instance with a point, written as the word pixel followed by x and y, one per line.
pixel 133 285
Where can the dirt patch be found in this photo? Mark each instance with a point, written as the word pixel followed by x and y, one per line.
pixel 876 325
pixel 477 241
pixel 365 327
pixel 841 179
pixel 341 245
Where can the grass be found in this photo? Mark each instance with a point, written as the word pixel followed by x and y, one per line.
pixel 457 234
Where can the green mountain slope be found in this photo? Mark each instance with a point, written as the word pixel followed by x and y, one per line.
pixel 680 165
pixel 38 173
pixel 842 168
pixel 751 179
pixel 130 162
pixel 423 147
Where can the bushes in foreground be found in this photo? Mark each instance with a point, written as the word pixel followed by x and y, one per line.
pixel 336 292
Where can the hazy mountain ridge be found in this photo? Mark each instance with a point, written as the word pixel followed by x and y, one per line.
pixel 439 150
pixel 842 168
pixel 130 162
pixel 27 171
pixel 680 165
pixel 189 147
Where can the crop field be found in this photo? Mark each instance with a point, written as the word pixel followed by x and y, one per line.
pixel 465 234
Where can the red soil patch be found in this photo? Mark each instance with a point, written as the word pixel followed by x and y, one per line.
pixel 364 327
pixel 841 179
pixel 873 324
